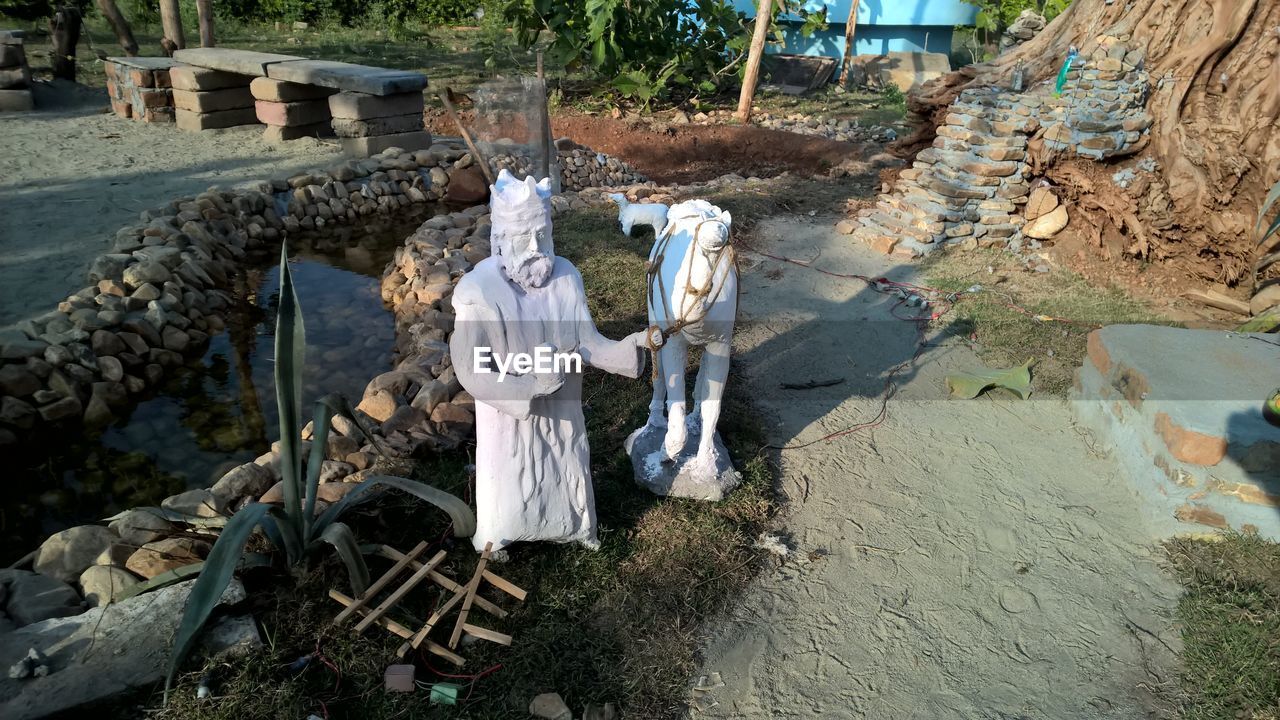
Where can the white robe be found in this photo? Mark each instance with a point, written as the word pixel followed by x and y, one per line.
pixel 533 464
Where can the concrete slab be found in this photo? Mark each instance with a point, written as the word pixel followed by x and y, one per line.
pixel 347 76
pixel 291 114
pixel 107 651
pixel 279 133
pixel 347 128
pixel 192 78
pixel 194 122
pixel 213 100
pixel 145 63
pixel 244 62
pixel 366 146
pixel 281 91
pixel 361 106
pixel 1182 410
pixel 16 100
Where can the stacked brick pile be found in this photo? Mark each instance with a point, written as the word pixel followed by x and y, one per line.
pixel 291 110
pixel 15 76
pixel 969 187
pixel 207 99
pixel 140 88
pixel 368 124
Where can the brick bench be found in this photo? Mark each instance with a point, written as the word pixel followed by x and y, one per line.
pixel 140 87
pixel 1182 412
pixel 368 108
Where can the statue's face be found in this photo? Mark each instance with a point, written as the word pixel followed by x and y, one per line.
pixel 528 255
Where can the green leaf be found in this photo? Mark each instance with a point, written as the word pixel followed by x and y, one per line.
pixel 460 514
pixel 344 541
pixel 1270 200
pixel 177 575
pixel 969 385
pixel 319 439
pixel 214 578
pixel 290 350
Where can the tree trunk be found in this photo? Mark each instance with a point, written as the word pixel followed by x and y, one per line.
pixel 204 8
pixel 171 20
pixel 850 28
pixel 124 34
pixel 64 30
pixel 1214 98
pixel 764 18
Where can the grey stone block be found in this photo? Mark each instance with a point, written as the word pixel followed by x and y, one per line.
pixel 346 76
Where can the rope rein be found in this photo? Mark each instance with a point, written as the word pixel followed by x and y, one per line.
pixel 657 336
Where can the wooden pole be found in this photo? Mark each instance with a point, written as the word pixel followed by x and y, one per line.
pixel 764 17
pixel 171 21
pixel 544 124
pixel 466 137
pixel 850 27
pixel 120 26
pixel 204 9
pixel 64 31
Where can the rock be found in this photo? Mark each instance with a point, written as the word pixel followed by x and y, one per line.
pixel 162 556
pixel 140 526
pixel 147 271
pixel 16 380
pixel 379 406
pixel 33 665
pixel 97 413
pixel 31 597
pixel 112 369
pixel 550 706
pixel 430 395
pixel 110 650
pixel 117 554
pixel 334 471
pixel 105 342
pixel 198 503
pixel 175 339
pixel 248 480
pixel 17 413
pixel 66 554
pixel 1041 202
pixel 104 584
pixel 1046 226
pixel 846 227
pixel 403 419
pixel 332 492
pixel 63 409
pixel 1265 299
pixel 467 186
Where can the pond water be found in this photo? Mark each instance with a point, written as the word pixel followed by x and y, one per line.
pixel 219 411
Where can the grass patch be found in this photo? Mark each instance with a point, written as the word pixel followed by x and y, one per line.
pixel 617 625
pixel 1230 613
pixel 1005 336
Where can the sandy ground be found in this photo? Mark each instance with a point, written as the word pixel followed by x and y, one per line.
pixel 965 559
pixel 71 175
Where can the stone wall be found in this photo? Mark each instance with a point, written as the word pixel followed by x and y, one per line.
pixel 971 188
pixel 140 88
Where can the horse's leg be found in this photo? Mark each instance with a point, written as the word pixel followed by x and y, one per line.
pixel 673 355
pixel 656 417
pixel 711 380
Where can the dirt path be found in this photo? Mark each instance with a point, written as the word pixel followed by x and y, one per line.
pixel 70 176
pixel 962 560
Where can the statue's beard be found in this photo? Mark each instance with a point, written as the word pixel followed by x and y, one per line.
pixel 530 270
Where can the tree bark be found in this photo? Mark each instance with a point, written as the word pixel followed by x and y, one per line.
pixel 120 26
pixel 1214 98
pixel 204 8
pixel 850 28
pixel 64 30
pixel 171 21
pixel 764 18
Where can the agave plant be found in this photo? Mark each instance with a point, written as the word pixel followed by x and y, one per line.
pixel 294 527
pixel 1272 258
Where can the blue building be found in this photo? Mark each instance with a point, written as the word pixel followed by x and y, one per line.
pixel 883 26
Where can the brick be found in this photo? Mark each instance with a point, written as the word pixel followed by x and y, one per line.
pixel 186 77
pixel 155 98
pixel 15 78
pixel 280 133
pixel 122 108
pixel 359 106
pixel 12 55
pixel 366 146
pixel 109 69
pixel 194 121
pixel 1193 514
pixel 158 115
pixel 16 100
pixel 282 91
pixel 162 78
pixel 142 77
pixel 1190 446
pixel 213 100
pixel 306 112
pixel 347 128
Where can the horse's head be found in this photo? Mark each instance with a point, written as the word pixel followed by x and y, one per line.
pixel 713 233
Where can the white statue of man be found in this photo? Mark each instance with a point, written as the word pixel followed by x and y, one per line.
pixel 521 333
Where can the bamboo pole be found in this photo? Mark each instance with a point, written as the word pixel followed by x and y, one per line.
pixel 120 26
pixel 544 123
pixel 850 28
pixel 204 9
pixel 171 21
pixel 764 17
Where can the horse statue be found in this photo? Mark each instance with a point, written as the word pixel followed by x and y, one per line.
pixel 692 281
